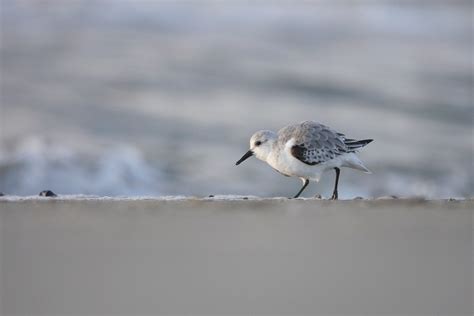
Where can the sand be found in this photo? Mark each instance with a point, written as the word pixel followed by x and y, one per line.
pixel 218 257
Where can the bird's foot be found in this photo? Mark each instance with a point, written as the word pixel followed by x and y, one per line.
pixel 334 197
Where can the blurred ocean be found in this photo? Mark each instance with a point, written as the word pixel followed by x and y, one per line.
pixel 158 97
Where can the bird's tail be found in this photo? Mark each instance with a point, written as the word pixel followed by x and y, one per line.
pixel 352 161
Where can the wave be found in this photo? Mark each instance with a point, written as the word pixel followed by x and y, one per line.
pixel 36 164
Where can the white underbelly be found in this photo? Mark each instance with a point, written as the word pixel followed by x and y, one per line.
pixel 288 165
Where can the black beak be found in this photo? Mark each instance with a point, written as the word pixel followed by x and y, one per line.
pixel 247 155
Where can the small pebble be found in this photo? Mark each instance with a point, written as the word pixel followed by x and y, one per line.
pixel 451 199
pixel 318 197
pixel 47 193
pixel 211 196
pixel 2 194
pixel 388 197
pixel 245 198
pixel 358 198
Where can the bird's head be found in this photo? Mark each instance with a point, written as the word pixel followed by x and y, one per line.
pixel 261 144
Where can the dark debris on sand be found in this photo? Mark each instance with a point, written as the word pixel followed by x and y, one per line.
pixel 47 193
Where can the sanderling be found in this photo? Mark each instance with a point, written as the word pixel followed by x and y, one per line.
pixel 306 150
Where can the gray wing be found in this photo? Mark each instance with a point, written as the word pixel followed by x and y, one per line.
pixel 314 143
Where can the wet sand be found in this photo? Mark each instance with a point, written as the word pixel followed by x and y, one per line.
pixel 397 257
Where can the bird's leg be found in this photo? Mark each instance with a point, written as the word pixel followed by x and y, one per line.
pixel 305 184
pixel 334 194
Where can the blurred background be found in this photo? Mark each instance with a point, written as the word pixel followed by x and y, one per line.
pixel 109 97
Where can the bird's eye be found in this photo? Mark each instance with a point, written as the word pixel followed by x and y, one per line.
pixel 258 143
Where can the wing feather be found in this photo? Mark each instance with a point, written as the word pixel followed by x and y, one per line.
pixel 314 143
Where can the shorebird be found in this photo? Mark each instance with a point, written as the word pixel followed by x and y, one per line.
pixel 306 150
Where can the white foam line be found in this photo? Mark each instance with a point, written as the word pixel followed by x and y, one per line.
pixel 80 197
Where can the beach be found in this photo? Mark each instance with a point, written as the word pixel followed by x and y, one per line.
pixel 134 113
pixel 227 255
